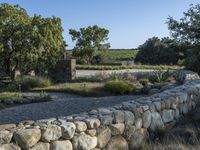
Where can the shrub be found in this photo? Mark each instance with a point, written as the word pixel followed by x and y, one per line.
pixel 159 76
pixel 28 82
pixel 118 87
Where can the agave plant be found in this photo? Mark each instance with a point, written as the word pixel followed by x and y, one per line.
pixel 159 76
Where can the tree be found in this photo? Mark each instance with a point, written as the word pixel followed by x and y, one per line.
pixel 187 31
pixel 88 41
pixel 28 43
pixel 157 51
pixel 188 28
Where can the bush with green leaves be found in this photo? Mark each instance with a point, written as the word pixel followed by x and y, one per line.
pixel 118 87
pixel 28 82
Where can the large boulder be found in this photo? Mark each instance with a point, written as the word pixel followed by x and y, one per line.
pixel 117 143
pixel 68 130
pixel 167 115
pixel 5 137
pixel 51 133
pixel 61 145
pixel 27 138
pixel 156 121
pixel 84 142
pixel 117 129
pixel 146 119
pixel 40 146
pixel 103 136
pixel 92 123
pixel 10 146
pixel 80 126
pixel 129 117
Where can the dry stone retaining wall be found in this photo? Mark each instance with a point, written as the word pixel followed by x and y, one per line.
pixel 121 127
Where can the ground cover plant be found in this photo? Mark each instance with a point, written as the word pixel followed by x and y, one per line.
pixel 13 98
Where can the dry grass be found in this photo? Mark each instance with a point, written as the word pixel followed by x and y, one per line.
pixel 83 89
pixel 184 136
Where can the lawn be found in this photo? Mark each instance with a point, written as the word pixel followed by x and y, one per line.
pixel 119 54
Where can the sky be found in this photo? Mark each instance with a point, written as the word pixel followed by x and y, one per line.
pixel 130 22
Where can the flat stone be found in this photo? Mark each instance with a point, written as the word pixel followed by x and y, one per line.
pixel 117 129
pixel 167 115
pixel 68 130
pixel 156 121
pixel 51 133
pixel 7 126
pixel 40 146
pixel 46 121
pixel 117 143
pixel 92 123
pixel 80 126
pixel 146 119
pixel 129 117
pixel 138 138
pixel 84 142
pixel 10 146
pixel 5 137
pixel 61 145
pixel 103 136
pixel 27 138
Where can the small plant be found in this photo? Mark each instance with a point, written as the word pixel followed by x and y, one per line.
pixel 118 87
pixel 159 76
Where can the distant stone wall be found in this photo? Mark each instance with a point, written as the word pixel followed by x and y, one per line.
pixel 121 127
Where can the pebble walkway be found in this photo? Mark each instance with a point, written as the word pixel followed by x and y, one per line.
pixel 61 105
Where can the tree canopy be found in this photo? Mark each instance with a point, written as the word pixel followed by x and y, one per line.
pixel 88 40
pixel 187 29
pixel 157 51
pixel 28 43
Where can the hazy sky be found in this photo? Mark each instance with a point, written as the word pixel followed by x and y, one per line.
pixel 130 22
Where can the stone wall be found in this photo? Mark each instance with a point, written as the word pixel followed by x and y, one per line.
pixel 121 127
pixel 63 71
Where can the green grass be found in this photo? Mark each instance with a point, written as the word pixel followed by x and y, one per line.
pixel 147 67
pixel 117 54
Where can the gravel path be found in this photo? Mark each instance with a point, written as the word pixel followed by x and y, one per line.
pixel 62 105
